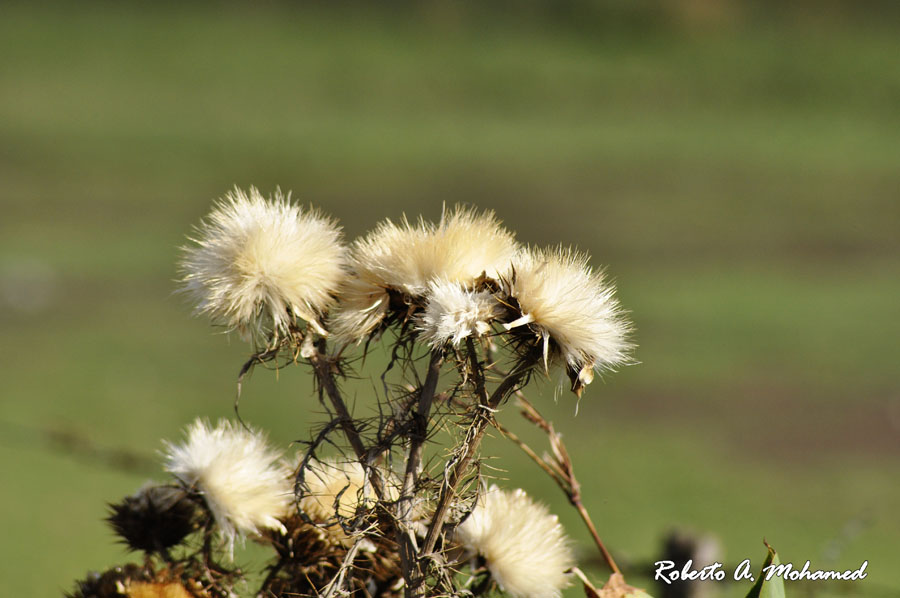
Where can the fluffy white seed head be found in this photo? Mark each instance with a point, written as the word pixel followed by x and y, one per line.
pixel 257 263
pixel 525 547
pixel 463 245
pixel 240 477
pixel 564 301
pixel 406 258
pixel 453 313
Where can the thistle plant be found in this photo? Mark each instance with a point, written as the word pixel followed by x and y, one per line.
pixel 387 499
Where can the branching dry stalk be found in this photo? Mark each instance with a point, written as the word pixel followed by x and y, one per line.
pixel 418 435
pixel 336 584
pixel 467 451
pixel 322 367
pixel 560 469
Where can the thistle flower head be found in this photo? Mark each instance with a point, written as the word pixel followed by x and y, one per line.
pixel 571 308
pixel 453 313
pixel 256 264
pixel 524 546
pixel 404 259
pixel 239 477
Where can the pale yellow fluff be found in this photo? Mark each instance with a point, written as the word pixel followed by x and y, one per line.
pixel 524 546
pixel 405 258
pixel 453 313
pixel 333 491
pixel 239 476
pixel 257 263
pixel 563 300
pixel 363 305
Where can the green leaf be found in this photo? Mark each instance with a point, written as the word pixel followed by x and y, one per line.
pixel 773 588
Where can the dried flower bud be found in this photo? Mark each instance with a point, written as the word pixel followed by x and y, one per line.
pixel 113 583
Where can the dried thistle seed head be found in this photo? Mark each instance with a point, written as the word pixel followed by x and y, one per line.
pixel 113 583
pixel 571 311
pixel 334 489
pixel 305 543
pixel 523 545
pixel 405 258
pixel 154 519
pixel 453 313
pixel 241 479
pixel 134 581
pixel 257 264
pixel 171 589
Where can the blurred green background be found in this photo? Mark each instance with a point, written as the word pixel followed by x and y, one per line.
pixel 736 166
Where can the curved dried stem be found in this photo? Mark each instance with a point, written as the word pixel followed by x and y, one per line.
pixel 559 468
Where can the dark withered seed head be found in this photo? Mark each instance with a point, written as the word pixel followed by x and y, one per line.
pixel 110 584
pixel 154 519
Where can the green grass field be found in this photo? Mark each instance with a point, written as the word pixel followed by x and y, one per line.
pixel 739 182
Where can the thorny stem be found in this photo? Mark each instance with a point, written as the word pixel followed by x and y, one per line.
pixel 325 376
pixel 338 580
pixel 487 405
pixel 411 571
pixel 477 370
pixel 420 431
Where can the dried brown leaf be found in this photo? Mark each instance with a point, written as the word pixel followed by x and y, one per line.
pixel 617 588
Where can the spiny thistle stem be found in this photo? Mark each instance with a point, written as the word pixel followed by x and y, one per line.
pixel 411 571
pixel 512 437
pixel 477 370
pixel 338 581
pixel 469 448
pixel 590 525
pixel 420 431
pixel 325 376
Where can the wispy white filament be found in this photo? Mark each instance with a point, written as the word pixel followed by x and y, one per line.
pixel 453 313
pixel 334 490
